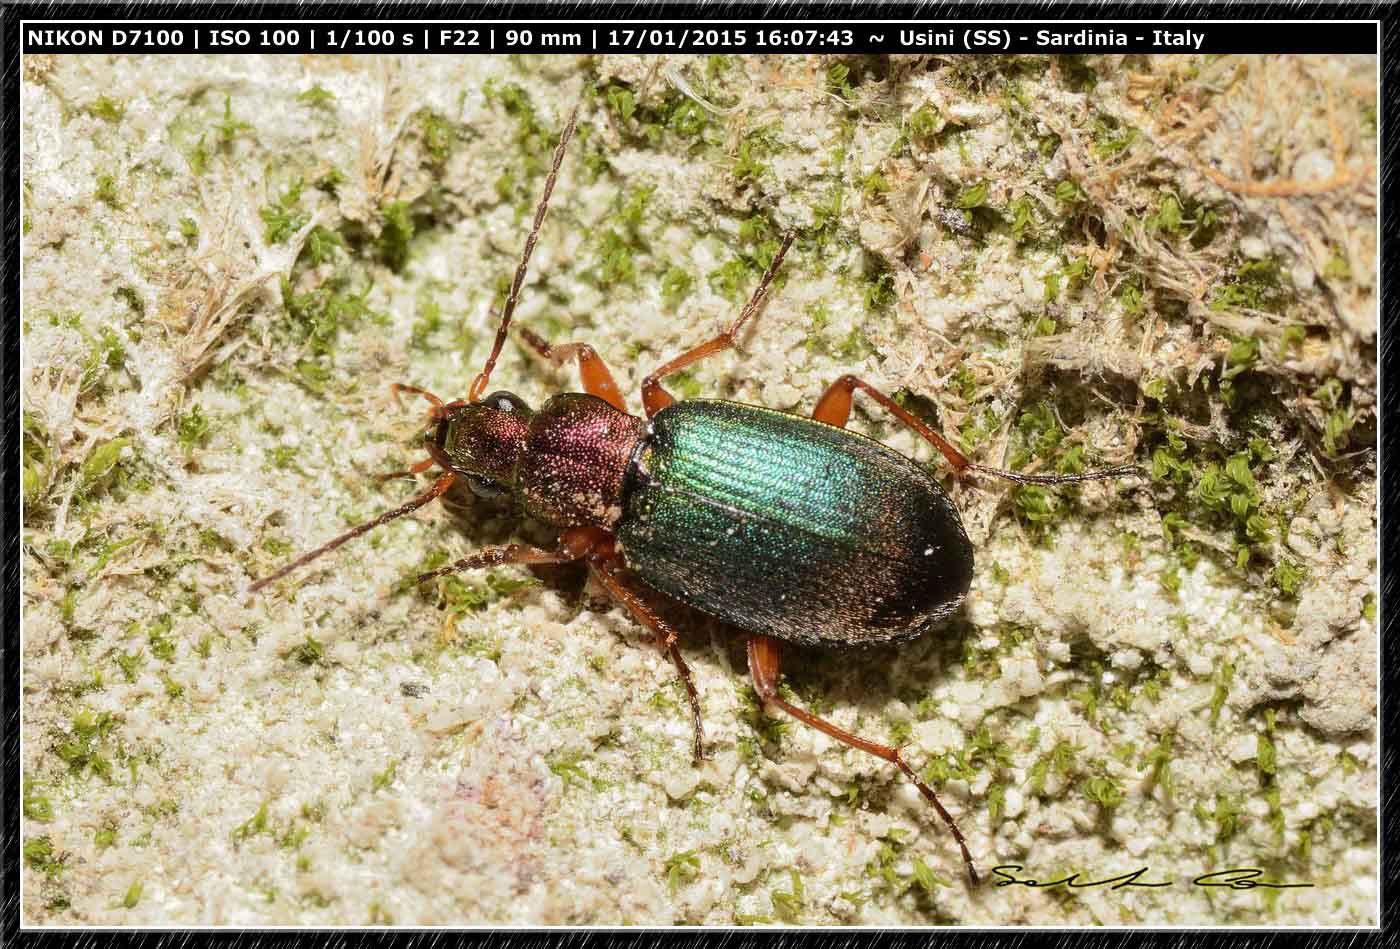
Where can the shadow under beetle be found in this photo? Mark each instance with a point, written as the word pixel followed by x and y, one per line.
pixel 788 528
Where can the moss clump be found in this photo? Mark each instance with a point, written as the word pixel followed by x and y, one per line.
pixel 106 191
pixel 317 97
pixel 315 318
pixel 285 216
pixel 229 127
pixel 439 136
pixel 1256 285
pixel 106 109
pixel 192 429
pixel 39 856
pixel 36 805
pixel 84 747
pixel 758 244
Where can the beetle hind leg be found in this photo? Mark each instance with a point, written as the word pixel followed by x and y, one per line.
pixel 665 639
pixel 764 664
pixel 834 408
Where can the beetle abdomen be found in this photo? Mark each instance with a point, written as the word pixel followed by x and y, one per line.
pixel 792 528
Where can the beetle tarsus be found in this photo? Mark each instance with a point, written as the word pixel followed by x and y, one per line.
pixel 1103 474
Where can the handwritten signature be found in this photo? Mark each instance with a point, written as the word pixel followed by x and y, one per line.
pixel 1238 878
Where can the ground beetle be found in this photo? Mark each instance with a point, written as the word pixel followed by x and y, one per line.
pixel 787 528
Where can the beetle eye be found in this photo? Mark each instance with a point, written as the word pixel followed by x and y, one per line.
pixel 485 487
pixel 506 402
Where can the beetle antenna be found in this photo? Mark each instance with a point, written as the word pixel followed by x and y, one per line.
pixel 483 377
pixel 439 487
pixel 1103 474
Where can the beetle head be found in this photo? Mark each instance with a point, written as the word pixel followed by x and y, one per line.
pixel 482 441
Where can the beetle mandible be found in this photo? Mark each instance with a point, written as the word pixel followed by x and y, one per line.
pixel 787 528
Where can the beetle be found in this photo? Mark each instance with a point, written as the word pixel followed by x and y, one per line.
pixel 790 529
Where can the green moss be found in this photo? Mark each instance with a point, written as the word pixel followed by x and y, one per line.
pixel 192 429
pixel 757 246
pixel 923 124
pixel 162 647
pixel 104 837
pixel 748 165
pixel 189 229
pixel 1068 192
pixel 106 191
pixel 315 319
pixel 875 184
pixel 676 285
pixel 1076 73
pixel 36 805
pixel 1060 760
pixel 680 867
pixel 259 823
pixel 308 652
pixel 385 779
pixel 621 101
pixel 617 263
pixel 925 878
pixel 1225 816
pixel 229 127
pixel 1159 759
pixel 838 80
pixel 197 156
pixel 133 895
pixel 1255 286
pixel 567 765
pixel 788 905
pixel 973 197
pixel 39 856
pixel 879 294
pixel 396 231
pixel 1103 791
pixel 439 136
pixel 84 747
pixel 1223 677
pixel 108 110
pixel 1022 219
pixel 317 97
pixel 285 216
pixel 1111 137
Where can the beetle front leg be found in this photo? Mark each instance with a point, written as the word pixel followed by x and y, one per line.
pixel 655 398
pixel 597 378
pixel 665 638
pixel 764 664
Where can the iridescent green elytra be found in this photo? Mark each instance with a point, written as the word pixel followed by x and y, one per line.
pixel 789 527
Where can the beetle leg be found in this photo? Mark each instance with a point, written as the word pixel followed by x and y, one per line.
pixel 834 408
pixel 419 468
pixel 764 661
pixel 597 378
pixel 499 556
pixel 665 638
pixel 574 544
pixel 398 387
pixel 656 398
